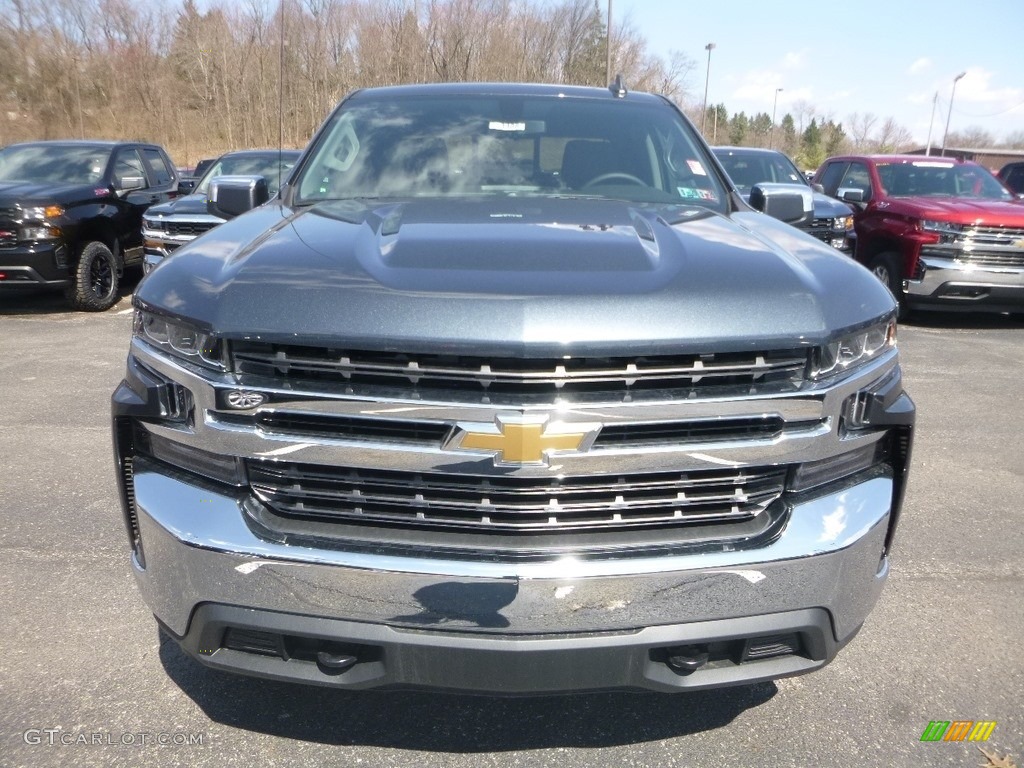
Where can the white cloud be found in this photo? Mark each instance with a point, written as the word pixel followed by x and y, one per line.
pixel 793 60
pixel 757 85
pixel 920 65
pixel 976 86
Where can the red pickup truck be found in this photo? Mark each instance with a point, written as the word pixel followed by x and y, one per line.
pixel 940 233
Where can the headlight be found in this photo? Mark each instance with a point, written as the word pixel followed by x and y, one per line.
pixel 179 339
pixel 843 223
pixel 854 350
pixel 944 227
pixel 148 223
pixel 33 234
pixel 40 223
pixel 43 212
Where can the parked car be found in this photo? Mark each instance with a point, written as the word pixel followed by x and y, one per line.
pixel 168 226
pixel 1012 175
pixel 938 232
pixel 749 166
pixel 71 214
pixel 190 179
pixel 508 390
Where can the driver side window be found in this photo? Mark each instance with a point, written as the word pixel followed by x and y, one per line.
pixel 128 164
pixel 857 177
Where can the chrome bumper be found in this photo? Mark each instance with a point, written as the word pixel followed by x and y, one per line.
pixel 200 555
pixel 947 281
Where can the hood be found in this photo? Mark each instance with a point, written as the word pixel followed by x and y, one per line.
pixel 194 203
pixel 26 193
pixel 961 210
pixel 519 275
pixel 826 207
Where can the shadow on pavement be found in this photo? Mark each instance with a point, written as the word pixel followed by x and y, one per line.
pixel 40 301
pixel 444 722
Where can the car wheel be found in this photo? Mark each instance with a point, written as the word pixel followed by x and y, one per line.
pixel 95 280
pixel 886 267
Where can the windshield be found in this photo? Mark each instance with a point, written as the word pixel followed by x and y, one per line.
pixel 444 146
pixel 749 168
pixel 931 178
pixel 54 164
pixel 265 165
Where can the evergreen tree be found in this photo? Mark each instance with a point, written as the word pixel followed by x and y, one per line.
pixel 739 127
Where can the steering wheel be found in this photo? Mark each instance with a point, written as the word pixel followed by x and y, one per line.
pixel 615 175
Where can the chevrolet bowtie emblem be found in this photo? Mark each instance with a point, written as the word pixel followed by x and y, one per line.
pixel 523 441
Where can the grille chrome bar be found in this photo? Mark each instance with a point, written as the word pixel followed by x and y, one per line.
pixel 432 433
pixel 520 375
pixel 513 504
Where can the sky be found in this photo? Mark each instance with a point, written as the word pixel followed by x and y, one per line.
pixel 887 58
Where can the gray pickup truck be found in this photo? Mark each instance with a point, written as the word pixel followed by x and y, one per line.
pixel 509 391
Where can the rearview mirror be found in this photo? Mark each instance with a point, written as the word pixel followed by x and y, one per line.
pixel 231 196
pixel 131 183
pixel 791 203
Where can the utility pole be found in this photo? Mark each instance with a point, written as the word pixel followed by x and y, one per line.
pixel 608 47
pixel 928 146
pixel 707 77
pixel 949 114
pixel 771 141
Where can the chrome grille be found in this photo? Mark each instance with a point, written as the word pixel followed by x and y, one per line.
pixel 821 229
pixel 513 504
pixel 991 246
pixel 520 376
pixel 992 235
pixel 8 236
pixel 194 228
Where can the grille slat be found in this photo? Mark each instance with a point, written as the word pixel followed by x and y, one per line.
pixel 511 503
pixel 520 376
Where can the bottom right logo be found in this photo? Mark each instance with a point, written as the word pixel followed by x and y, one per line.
pixel 958 730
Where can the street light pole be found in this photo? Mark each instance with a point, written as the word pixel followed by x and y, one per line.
pixel 771 141
pixel 707 77
pixel 949 114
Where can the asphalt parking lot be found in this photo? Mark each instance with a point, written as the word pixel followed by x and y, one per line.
pixel 81 652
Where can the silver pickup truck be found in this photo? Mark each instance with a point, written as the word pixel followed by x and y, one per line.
pixel 509 391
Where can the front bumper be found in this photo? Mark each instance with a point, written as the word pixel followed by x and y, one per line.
pixel 507 627
pixel 39 265
pixel 951 284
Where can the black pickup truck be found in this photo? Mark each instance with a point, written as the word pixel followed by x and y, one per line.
pixel 71 214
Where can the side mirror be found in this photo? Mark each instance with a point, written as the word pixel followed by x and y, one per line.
pixel 186 186
pixel 818 188
pixel 791 203
pixel 231 196
pixel 131 183
pixel 852 195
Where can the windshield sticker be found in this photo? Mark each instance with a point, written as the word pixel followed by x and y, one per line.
pixel 931 165
pixel 696 167
pixel 693 193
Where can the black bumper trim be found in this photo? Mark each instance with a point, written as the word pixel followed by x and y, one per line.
pixel 495 664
